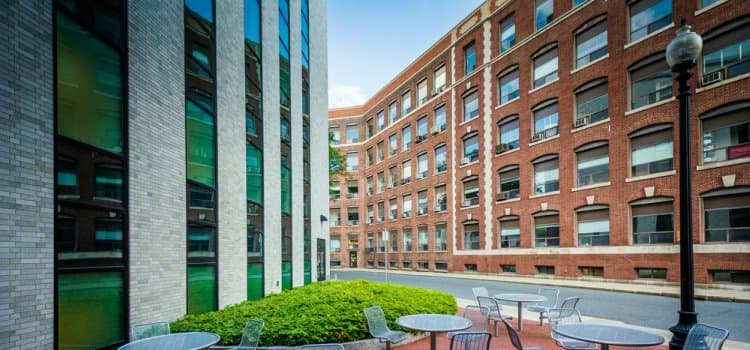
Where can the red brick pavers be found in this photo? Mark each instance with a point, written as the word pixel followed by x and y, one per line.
pixel 533 335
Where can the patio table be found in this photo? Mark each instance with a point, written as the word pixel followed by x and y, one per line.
pixel 607 335
pixel 174 341
pixel 434 324
pixel 520 298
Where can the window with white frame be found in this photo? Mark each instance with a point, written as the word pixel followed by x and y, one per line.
pixel 381 120
pixel 592 164
pixel 392 145
pixel 507 33
pixel 726 133
pixel 423 243
pixel 546 174
pixel 439 82
pixel 470 58
pixel 593 226
pixel 471 192
pixel 648 16
pixel 393 176
pixel 422 129
pixel 592 103
pixel 352 134
pixel 547 229
pixel 407 205
pixel 441 200
pixel 406 103
pixel 393 207
pixel 471 106
pixel 352 161
pixel 381 182
pixel 543 13
pixel 406 172
pixel 422 171
pixel 335 244
pixel 381 211
pixel 509 86
pixel 545 67
pixel 653 221
pixel 650 82
pixel 440 124
pixel 508 129
pixel 336 132
pixel 726 215
pixel 406 137
pixel 471 235
pixel 422 203
pixel 441 243
pixel 441 161
pixel 380 152
pixel 392 112
pixel 471 149
pixel 651 150
pixel 422 95
pixel 510 232
pixel 407 239
pixel 545 122
pixel 591 44
pixel 726 52
pixel 510 184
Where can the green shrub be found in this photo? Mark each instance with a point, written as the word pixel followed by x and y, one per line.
pixel 318 313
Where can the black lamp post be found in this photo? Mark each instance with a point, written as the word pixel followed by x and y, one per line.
pixel 681 55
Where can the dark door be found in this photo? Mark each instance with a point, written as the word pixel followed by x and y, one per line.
pixel 321 259
pixel 353 259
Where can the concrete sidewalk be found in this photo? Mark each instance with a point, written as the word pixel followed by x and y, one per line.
pixel 654 288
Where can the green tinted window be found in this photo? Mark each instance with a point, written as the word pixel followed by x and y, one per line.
pixel 254 281
pixel 89 309
pixel 286 191
pixel 201 145
pixel 89 88
pixel 286 275
pixel 201 289
pixel 254 164
pixel 307 271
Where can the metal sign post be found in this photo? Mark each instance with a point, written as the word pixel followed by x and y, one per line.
pixel 385 238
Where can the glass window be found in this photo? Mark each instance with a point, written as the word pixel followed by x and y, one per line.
pixel 335 217
pixel 89 88
pixel 592 104
pixel 352 161
pixel 352 216
pixel 393 174
pixel 422 171
pixel 592 165
pixel 707 3
pixel 254 163
pixel 67 178
pixel 422 202
pixel 439 125
pixel 439 80
pixel 422 92
pixel 727 218
pixel 471 149
pixel 471 106
pixel 545 122
pixel 650 83
pixel 381 120
pixel 406 171
pixel 286 188
pixel 507 33
pixel 470 58
pixel 471 192
pixel 201 289
pixel 201 242
pixel 394 244
pixel 335 244
pixel 726 137
pixel 352 134
pixel 422 128
pixel 653 223
pixel 509 87
pixel 379 150
pixel 651 273
pixel 406 103
pixel 545 67
pixel 406 137
pixel 546 229
pixel 336 132
pixel 510 232
pixel 509 134
pixel 108 182
pixel 471 236
pixel 423 243
pixel 441 162
pixel 441 244
pixel 201 145
pixel 92 301
pixel 546 175
pixel 591 44
pixel 648 16
pixel 407 205
pixel 352 189
pixel 392 145
pixel 651 153
pixel 392 112
pixel 543 13
pixel 440 199
pixel 381 182
pixel 407 239
pixel 727 54
pixel 578 2
pixel 730 276
pixel 381 242
pixel 335 190
pixel 381 211
pixel 393 207
pixel 593 227
pixel 509 184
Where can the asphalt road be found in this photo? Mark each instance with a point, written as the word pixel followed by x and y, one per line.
pixel 643 310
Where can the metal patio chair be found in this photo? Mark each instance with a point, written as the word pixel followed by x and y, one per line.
pixel 379 327
pixel 471 341
pixel 566 316
pixel 515 339
pixel 570 303
pixel 705 337
pixel 251 335
pixel 478 317
pixel 148 330
pixel 543 306
pixel 495 308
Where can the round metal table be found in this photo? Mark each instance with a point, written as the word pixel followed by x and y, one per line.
pixel 520 298
pixel 175 341
pixel 607 335
pixel 434 324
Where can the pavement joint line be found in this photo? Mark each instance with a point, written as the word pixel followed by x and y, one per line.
pixel 672 291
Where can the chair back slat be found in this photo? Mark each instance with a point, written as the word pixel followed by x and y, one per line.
pixel 570 303
pixel 376 321
pixel 705 337
pixel 551 294
pixel 148 330
pixel 471 341
pixel 514 338
pixel 251 333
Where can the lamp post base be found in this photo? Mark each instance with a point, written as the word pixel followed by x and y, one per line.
pixel 682 328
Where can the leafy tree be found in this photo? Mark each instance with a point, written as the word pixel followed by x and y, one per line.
pixel 336 161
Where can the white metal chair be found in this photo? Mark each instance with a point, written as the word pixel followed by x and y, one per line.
pixel 379 327
pixel 543 306
pixel 566 316
pixel 148 330
pixel 705 337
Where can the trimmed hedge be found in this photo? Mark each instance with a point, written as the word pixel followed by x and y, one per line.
pixel 325 312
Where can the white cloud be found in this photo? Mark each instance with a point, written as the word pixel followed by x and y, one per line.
pixel 340 95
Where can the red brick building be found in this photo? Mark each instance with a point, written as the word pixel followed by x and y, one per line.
pixel 540 138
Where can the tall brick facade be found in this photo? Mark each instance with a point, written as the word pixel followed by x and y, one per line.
pixel 573 199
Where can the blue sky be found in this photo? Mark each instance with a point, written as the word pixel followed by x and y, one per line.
pixel 370 41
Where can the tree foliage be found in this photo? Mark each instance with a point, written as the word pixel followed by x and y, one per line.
pixel 336 160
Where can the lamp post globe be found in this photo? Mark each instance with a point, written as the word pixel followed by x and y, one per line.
pixel 681 55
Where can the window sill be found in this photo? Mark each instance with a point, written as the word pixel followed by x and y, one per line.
pixel 439 172
pixel 574 130
pixel 507 103
pixel 468 121
pixel 544 194
pixel 723 82
pixel 545 140
pixel 603 184
pixel 715 165
pixel 509 200
pixel 508 152
pixel 590 64
pixel 649 36
pixel 651 176
pixel 710 7
pixel 653 105
pixel 543 86
pixel 469 164
pixel 470 207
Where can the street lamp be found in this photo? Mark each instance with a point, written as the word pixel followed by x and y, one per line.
pixel 681 55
